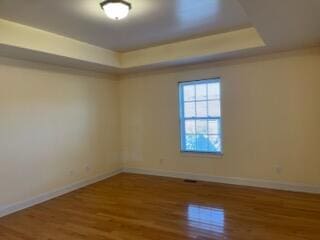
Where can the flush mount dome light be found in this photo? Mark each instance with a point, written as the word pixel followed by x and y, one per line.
pixel 116 9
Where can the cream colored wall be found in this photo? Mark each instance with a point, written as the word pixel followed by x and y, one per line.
pixel 54 123
pixel 271 119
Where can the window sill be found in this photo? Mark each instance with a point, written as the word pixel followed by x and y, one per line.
pixel 201 155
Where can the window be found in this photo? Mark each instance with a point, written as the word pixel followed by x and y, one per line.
pixel 200 116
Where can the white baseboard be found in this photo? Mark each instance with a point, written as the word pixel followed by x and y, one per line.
pixel 229 180
pixel 6 210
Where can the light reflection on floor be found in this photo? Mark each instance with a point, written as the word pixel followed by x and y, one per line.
pixel 206 218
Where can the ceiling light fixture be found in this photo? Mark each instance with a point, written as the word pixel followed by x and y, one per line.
pixel 116 9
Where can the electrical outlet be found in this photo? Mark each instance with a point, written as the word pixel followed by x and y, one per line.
pixel 88 168
pixel 278 169
pixel 71 172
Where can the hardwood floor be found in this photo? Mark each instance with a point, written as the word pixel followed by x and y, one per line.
pixel 140 207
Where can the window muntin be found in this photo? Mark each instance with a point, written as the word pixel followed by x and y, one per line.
pixel 200 116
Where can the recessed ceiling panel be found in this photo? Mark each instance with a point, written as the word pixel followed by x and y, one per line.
pixel 150 22
pixel 285 24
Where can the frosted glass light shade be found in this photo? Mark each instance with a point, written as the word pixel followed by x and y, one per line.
pixel 116 10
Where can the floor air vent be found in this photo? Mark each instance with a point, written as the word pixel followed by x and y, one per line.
pixel 190 181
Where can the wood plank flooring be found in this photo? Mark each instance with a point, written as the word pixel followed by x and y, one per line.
pixel 140 207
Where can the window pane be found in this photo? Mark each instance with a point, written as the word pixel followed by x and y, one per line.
pixel 190 126
pixel 213 127
pixel 189 93
pixel 202 109
pixel 214 90
pixel 189 109
pixel 201 92
pixel 201 127
pixel 214 108
pixel 202 143
pixel 214 143
pixel 190 143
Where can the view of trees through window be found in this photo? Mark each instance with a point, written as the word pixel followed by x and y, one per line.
pixel 200 116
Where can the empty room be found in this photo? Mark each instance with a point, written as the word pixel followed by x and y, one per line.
pixel 160 119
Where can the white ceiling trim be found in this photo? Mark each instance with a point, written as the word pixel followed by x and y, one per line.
pixel 24 37
pixel 48 47
pixel 204 47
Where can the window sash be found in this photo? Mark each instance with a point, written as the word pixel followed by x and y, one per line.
pixel 184 134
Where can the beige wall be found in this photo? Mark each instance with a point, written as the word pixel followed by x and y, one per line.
pixel 271 119
pixel 59 126
pixel 54 123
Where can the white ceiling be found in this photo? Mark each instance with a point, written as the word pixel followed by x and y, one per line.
pixel 151 22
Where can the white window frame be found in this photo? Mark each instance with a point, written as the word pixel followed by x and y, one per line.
pixel 182 119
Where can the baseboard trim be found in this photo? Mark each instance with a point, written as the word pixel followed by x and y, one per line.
pixel 6 210
pixel 229 180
